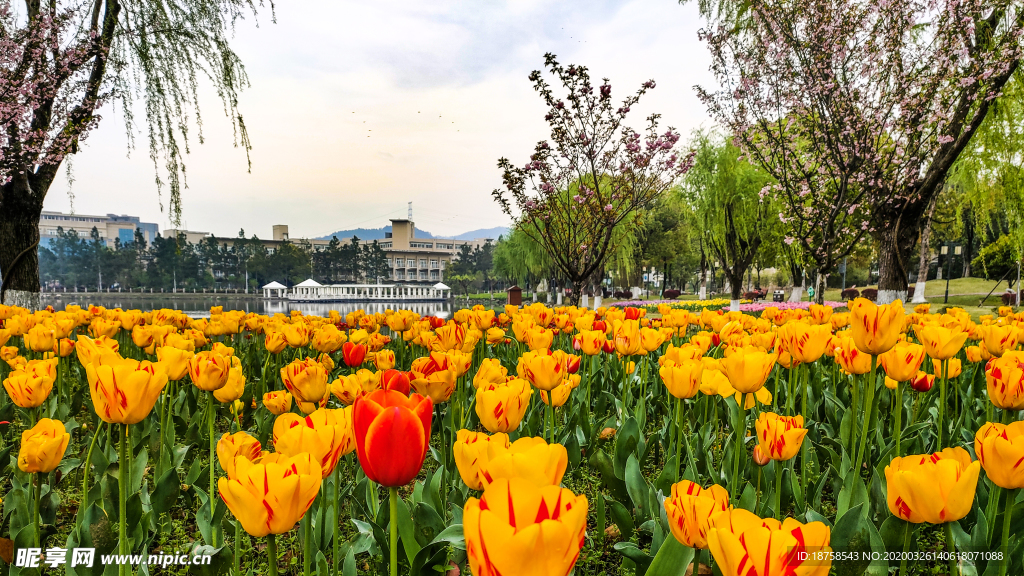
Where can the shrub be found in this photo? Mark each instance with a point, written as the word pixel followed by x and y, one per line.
pixel 910 293
pixel 850 294
pixel 670 294
pixel 870 294
pixel 1009 298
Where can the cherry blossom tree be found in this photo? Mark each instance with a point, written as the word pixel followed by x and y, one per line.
pixel 62 61
pixel 585 190
pixel 859 109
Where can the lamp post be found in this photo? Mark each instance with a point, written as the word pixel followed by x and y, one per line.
pixel 957 249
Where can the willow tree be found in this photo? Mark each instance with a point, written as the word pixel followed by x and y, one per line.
pixel 61 61
pixel 594 176
pixel 731 209
pixel 855 105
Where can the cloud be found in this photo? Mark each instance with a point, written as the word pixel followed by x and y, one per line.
pixel 357 108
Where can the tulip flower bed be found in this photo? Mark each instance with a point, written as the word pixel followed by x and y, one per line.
pixel 533 441
pixel 712 305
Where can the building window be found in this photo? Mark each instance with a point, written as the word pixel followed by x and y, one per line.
pixel 390 262
pixel 433 275
pixel 385 245
pixel 445 246
pixel 433 263
pixel 443 263
pixel 399 262
pixel 423 274
pixel 420 245
pixel 423 263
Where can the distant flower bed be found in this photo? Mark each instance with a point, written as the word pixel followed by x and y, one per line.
pixel 652 305
pixel 760 306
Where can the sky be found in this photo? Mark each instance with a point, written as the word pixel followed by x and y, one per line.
pixel 357 108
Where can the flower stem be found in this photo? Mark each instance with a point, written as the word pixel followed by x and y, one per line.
pixel 213 470
pixel 942 405
pixel 778 488
pixel 899 417
pixel 272 554
pixel 307 543
pixel 869 396
pixel 679 436
pixel 951 548
pixel 906 550
pixel 122 489
pixel 38 493
pixel 337 520
pixel 238 547
pixel 394 530
pixel 741 431
pixel 88 462
pixel 803 412
pixel 1011 496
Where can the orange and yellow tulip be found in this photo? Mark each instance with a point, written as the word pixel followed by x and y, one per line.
pixel 875 329
pixel 689 509
pixel 1000 449
pixel 271 496
pixel 43 446
pixel 934 488
pixel 780 437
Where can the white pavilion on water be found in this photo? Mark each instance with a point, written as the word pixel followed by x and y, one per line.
pixel 274 290
pixel 312 291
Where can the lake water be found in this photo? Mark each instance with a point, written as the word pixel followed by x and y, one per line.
pixel 198 306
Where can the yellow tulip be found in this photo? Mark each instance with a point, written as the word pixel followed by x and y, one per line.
pixel 804 342
pixel 270 497
pixel 591 341
pixel 490 372
pixel 43 446
pixel 689 509
pixel 780 437
pixel 384 360
pixel 520 528
pixel 954 367
pixel 125 391
pixel 501 407
pixel 739 540
pixel 326 434
pixel 748 369
pixel 902 361
pixel 174 361
pixel 472 454
pixel 529 458
pixel 939 342
pixel 39 338
pixel 627 337
pixel 209 371
pixel 851 358
pixel 999 339
pixel 1000 449
pixel 875 329
pixel 306 379
pixel 234 388
pixel 650 339
pixel 1004 378
pixel 277 402
pixel 28 389
pixel 237 445
pixel 682 380
pixel 934 488
pixel 541 370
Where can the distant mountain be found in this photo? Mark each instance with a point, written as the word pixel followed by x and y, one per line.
pixel 493 233
pixel 371 234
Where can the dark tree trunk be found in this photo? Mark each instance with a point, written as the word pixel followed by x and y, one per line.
pixel 895 250
pixel 20 208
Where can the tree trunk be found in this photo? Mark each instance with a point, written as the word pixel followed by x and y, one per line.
pixel 819 288
pixel 577 292
pixel 797 295
pixel 895 246
pixel 20 208
pixel 925 256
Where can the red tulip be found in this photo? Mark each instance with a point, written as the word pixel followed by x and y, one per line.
pixel 633 313
pixel 435 322
pixel 599 325
pixel 608 346
pixel 392 435
pixel 395 380
pixel 922 382
pixel 353 354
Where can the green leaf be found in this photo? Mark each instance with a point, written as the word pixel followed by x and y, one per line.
pixel 638 556
pixel 672 559
pixel 637 488
pixel 622 518
pixel 166 492
pixel 407 531
pixel 626 440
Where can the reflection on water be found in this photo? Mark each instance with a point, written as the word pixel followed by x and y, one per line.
pixel 199 307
